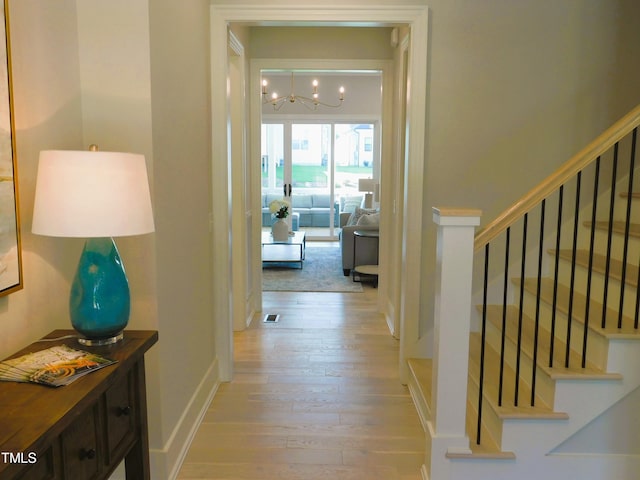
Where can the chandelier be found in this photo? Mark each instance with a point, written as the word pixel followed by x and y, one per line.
pixel 310 103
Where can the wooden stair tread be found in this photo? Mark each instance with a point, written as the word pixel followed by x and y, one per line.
pixel 488 444
pixel 421 370
pixel 579 303
pixel 634 195
pixel 507 410
pixel 577 373
pixel 478 452
pixel 618 226
pixel 600 263
pixel 558 371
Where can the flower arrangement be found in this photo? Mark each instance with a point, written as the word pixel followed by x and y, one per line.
pixel 279 208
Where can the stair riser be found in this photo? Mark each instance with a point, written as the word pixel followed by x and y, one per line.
pixel 545 386
pixel 597 345
pixel 622 185
pixel 620 201
pixel 495 288
pixel 598 288
pixel 620 209
pixel 617 244
pixel 491 423
pixel 601 239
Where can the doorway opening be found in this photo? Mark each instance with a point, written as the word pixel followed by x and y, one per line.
pixel 316 157
pixel 415 19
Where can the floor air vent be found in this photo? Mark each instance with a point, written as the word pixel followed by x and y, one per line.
pixel 271 318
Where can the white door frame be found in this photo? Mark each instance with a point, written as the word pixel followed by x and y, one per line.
pixel 416 17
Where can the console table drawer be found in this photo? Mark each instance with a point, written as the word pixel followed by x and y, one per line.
pixel 81 453
pixel 43 469
pixel 122 413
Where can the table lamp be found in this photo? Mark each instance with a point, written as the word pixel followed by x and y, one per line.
pixel 367 185
pixel 97 196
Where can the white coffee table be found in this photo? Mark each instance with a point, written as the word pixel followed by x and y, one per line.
pixel 290 251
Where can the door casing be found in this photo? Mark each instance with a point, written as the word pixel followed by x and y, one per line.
pixel 416 18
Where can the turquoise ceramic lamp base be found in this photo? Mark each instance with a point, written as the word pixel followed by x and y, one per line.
pixel 100 301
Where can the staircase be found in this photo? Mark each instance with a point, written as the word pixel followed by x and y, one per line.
pixel 553 384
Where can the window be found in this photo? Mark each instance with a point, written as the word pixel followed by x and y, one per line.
pixel 368 144
pixel 326 158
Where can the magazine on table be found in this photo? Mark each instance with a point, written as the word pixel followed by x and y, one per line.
pixel 54 366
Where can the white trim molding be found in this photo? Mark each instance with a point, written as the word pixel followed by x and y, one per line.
pixel 166 462
pixel 365 15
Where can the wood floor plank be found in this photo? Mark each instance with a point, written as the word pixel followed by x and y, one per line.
pixel 210 430
pixel 287 472
pixel 316 395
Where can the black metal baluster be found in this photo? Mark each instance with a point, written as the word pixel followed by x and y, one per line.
pixel 592 237
pixel 573 271
pixel 537 320
pixel 554 302
pixel 521 308
pixel 503 335
pixel 483 336
pixel 605 293
pixel 627 226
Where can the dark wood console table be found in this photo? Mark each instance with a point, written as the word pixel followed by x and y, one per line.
pixel 82 430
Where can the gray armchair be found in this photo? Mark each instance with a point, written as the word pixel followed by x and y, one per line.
pixel 367 251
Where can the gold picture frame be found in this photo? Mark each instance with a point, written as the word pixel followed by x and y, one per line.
pixel 10 246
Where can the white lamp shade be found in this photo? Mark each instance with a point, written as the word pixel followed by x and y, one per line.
pixel 366 184
pixel 92 194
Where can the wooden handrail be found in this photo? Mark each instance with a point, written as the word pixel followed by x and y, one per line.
pixel 568 170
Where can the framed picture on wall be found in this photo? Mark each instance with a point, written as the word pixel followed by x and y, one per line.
pixel 10 247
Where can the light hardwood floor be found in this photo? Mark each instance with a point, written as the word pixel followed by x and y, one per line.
pixel 315 396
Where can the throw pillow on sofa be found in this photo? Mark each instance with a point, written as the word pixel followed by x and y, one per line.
pixel 349 204
pixel 355 216
pixel 369 219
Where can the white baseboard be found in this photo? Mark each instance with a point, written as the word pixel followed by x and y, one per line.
pixel 420 405
pixel 166 462
pixel 389 316
pixel 249 319
pixel 390 325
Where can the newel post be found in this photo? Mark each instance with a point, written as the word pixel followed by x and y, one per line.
pixel 454 267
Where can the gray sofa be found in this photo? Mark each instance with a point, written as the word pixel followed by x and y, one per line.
pixel 313 209
pixel 367 250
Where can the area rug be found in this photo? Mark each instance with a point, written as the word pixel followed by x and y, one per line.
pixel 321 272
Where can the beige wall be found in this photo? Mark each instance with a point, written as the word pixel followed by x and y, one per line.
pixel 182 158
pixel 129 76
pixel 58 104
pixel 47 112
pixel 320 42
pixel 524 84
pixel 113 47
pixel 515 89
